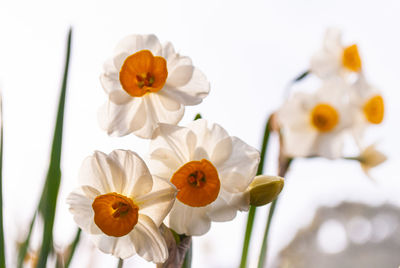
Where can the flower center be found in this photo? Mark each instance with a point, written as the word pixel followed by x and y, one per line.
pixel 351 59
pixel 324 117
pixel 142 73
pixel 115 214
pixel 374 109
pixel 198 183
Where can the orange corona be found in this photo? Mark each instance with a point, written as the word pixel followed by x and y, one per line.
pixel 115 214
pixel 374 109
pixel 143 73
pixel 351 58
pixel 197 183
pixel 324 117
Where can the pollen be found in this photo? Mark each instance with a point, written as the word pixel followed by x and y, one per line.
pixel 115 214
pixel 324 117
pixel 351 59
pixel 143 73
pixel 197 183
pixel 374 109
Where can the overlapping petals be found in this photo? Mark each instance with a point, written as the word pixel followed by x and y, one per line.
pixel 235 161
pixel 124 114
pixel 123 173
pixel 301 136
pixel 334 59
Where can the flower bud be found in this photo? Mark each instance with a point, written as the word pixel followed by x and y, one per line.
pixel 264 189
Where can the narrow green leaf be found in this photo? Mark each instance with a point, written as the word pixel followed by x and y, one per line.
pixel 72 247
pixel 49 201
pixel 23 249
pixel 2 244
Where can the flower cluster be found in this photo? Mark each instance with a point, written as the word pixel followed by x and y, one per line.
pixel 315 124
pixel 195 174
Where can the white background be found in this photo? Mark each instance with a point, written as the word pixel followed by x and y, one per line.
pixel 249 50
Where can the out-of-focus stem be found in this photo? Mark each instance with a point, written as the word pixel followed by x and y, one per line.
pixel 284 163
pixel 252 211
pixel 120 263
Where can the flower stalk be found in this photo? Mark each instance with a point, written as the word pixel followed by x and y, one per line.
pixel 252 210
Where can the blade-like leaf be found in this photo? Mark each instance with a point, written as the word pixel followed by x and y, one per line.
pixel 2 244
pixel 49 200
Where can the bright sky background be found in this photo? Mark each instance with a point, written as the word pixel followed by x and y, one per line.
pixel 248 50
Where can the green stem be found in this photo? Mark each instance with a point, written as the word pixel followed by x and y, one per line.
pixel 2 244
pixel 187 263
pixel 120 263
pixel 73 247
pixel 284 164
pixel 263 251
pixel 252 211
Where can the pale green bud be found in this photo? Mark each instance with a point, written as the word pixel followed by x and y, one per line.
pixel 264 189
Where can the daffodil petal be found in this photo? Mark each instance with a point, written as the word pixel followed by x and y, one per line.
pixel 133 43
pixel 188 220
pixel 140 182
pixel 81 208
pixel 149 243
pixel 239 169
pixel 120 247
pixel 101 173
pixel 158 203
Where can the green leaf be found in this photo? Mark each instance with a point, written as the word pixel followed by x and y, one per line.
pixel 72 248
pixel 49 199
pixel 2 244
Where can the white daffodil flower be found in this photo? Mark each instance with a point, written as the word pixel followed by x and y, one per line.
pixel 121 205
pixel 312 123
pixel 210 169
pixel 148 83
pixel 335 59
pixel 368 105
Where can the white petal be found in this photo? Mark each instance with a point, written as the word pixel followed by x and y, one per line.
pixel 101 173
pixel 332 40
pixel 158 202
pixel 81 208
pixel 169 160
pixel 193 91
pixel 299 142
pixel 179 140
pixel 132 44
pixel 120 120
pixel 213 143
pixel 220 210
pixel 329 145
pixel 156 112
pixel 325 65
pixel 109 79
pixel 239 169
pixel 139 179
pixel 180 76
pixel 148 241
pixel 188 220
pixel 120 247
